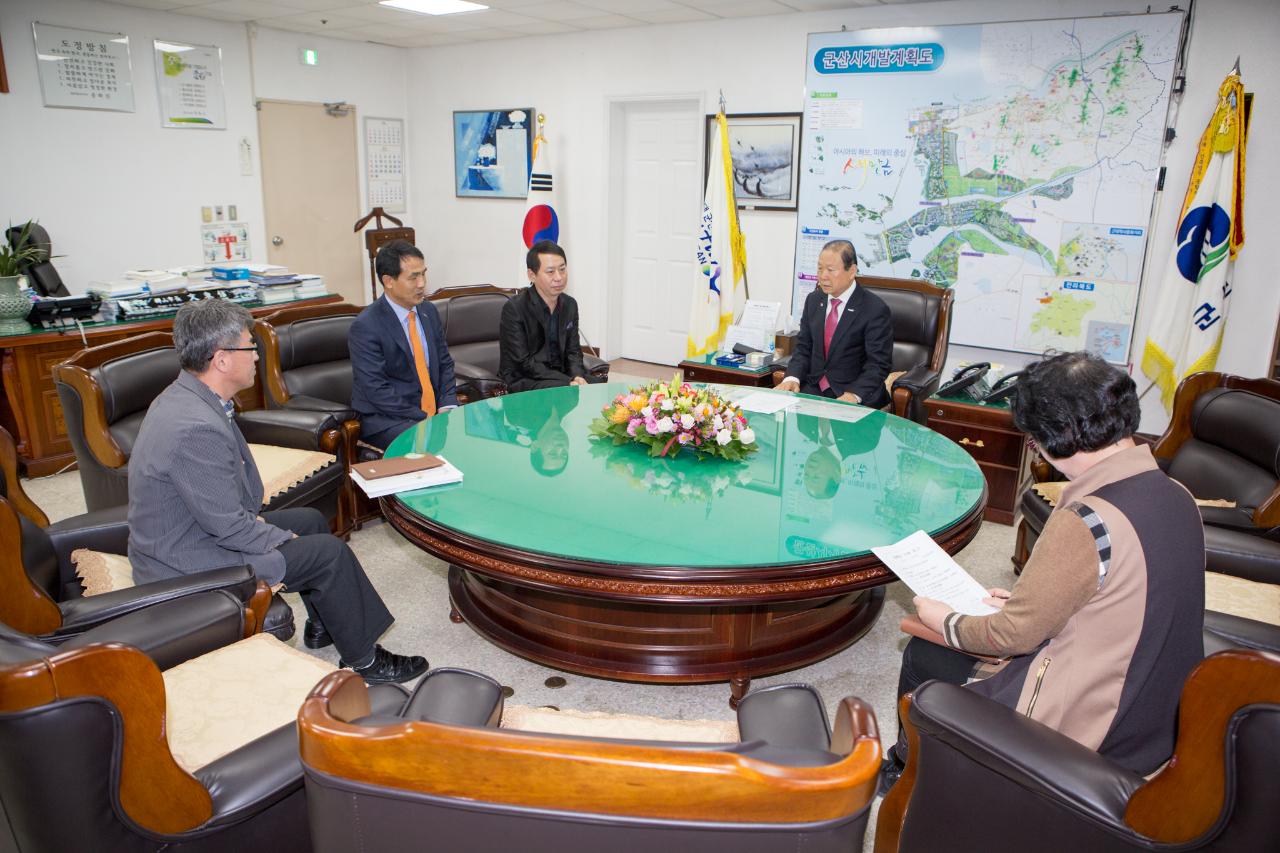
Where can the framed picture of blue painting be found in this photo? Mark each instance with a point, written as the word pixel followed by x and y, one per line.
pixel 492 153
pixel 765 150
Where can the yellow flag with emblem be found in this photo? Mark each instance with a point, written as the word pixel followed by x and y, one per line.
pixel 719 292
pixel 1186 332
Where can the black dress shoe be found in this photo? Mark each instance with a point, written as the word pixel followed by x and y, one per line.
pixel 390 668
pixel 315 635
pixel 890 772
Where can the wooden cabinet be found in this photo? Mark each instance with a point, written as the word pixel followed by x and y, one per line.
pixel 30 409
pixel 987 432
pixel 698 370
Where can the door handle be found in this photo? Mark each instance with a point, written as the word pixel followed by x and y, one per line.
pixel 977 443
pixel 277 240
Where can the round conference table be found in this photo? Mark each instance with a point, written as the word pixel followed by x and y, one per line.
pixel 597 559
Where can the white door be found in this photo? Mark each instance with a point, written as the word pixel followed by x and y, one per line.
pixel 662 204
pixel 311 194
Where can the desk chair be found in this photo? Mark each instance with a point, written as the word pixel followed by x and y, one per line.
pixel 42 276
pixel 921 326
pixel 982 777
pixel 105 393
pixel 440 769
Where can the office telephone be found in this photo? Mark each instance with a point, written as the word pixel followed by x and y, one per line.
pixel 967 380
pixel 1003 389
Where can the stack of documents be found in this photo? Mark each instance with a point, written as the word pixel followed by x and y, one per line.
pixel 404 474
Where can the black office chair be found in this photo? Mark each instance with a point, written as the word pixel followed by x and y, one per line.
pixel 42 276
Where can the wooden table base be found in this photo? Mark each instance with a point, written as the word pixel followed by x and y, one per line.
pixel 658 642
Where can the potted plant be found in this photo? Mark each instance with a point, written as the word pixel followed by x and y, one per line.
pixel 16 256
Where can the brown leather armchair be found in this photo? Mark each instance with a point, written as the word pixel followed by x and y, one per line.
pixel 85 752
pixel 105 393
pixel 1223 442
pixel 981 777
pixel 472 320
pixel 441 767
pixel 921 326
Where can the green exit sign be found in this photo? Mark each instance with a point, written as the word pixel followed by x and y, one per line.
pixel 308 56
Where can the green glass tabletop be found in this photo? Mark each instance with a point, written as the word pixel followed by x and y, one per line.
pixel 830 480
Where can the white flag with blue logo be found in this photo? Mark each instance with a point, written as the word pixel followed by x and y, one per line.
pixel 1191 305
pixel 719 292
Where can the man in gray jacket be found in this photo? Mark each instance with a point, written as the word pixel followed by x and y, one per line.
pixel 195 500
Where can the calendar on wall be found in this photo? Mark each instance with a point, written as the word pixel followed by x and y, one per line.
pixel 384 161
pixel 84 68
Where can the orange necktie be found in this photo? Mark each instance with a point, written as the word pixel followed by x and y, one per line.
pixel 420 364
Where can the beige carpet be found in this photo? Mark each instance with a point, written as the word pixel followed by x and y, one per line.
pixel 414 587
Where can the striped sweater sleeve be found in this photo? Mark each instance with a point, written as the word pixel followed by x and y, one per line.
pixel 1058 579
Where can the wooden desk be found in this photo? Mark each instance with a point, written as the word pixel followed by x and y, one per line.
pixel 704 369
pixel 988 433
pixel 30 409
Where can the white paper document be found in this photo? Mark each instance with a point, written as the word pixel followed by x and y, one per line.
pixel 929 571
pixel 766 402
pixel 413 481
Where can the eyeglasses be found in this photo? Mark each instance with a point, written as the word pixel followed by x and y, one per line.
pixel 253 348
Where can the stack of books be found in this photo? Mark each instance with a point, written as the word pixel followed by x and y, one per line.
pixel 404 474
pixel 309 286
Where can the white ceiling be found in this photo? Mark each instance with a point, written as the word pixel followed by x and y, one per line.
pixel 366 20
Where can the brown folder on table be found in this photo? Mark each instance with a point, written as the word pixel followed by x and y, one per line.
pixel 379 468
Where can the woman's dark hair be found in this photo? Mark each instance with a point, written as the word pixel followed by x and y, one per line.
pixel 1075 402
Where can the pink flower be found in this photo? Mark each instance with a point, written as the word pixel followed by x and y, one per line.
pixel 632 425
pixel 683 438
pixel 651 426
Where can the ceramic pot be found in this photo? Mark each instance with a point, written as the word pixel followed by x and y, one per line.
pixel 14 306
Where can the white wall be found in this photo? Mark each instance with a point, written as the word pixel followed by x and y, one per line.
pixel 759 63
pixel 118 191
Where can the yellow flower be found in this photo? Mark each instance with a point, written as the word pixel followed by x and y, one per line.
pixel 637 403
pixel 620 415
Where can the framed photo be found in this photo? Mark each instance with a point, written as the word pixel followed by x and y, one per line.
pixel 765 148
pixel 492 153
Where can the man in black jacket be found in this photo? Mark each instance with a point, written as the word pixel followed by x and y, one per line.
pixel 845 346
pixel 539 338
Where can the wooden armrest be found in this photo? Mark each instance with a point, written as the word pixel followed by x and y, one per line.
pixel 1186 798
pixel 155 792
pixel 23 605
pixel 577 774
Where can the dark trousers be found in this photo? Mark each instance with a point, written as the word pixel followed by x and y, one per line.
pixel 925 661
pixel 334 588
pixel 388 435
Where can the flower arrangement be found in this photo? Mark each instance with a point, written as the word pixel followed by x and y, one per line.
pixel 672 416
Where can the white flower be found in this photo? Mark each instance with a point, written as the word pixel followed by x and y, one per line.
pixel 666 425
pixel 723 437
pixel 717 424
pixel 647 412
pixel 686 421
pixel 667 405
pixel 747 436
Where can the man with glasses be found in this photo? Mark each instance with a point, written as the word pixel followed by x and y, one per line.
pixel 401 366
pixel 195 500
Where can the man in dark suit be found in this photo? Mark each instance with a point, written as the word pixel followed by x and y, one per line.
pixel 845 346
pixel 401 366
pixel 195 500
pixel 539 338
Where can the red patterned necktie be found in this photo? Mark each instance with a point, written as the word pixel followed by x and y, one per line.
pixel 827 331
